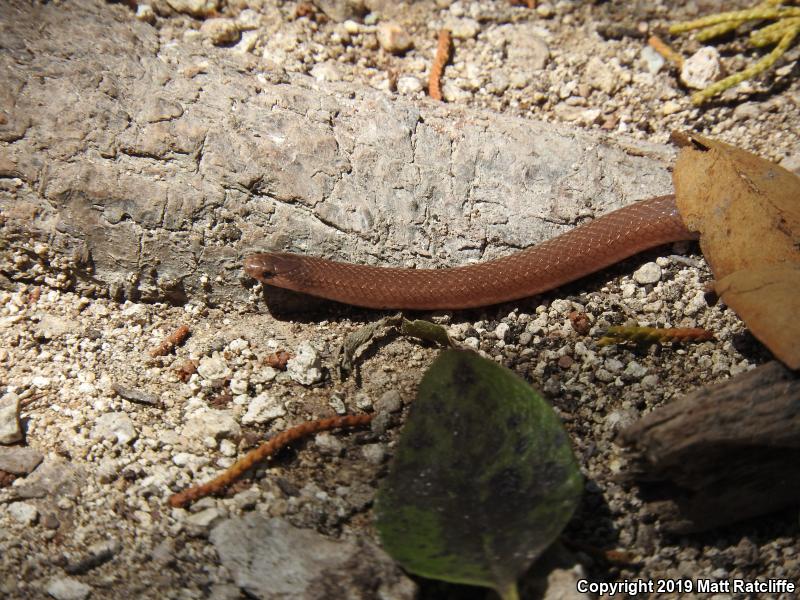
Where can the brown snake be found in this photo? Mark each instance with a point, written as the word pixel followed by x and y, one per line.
pixel 567 257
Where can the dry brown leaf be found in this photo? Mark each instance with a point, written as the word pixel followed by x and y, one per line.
pixel 747 210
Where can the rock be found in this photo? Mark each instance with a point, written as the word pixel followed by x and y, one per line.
pixel 210 423
pixel 54 477
pixel 502 331
pixel 701 69
pixel 196 8
pixel 116 426
pixel 199 522
pixel 51 327
pixel 67 588
pixel 19 460
pixel 463 29
pixel 393 38
pixel 263 409
pixel 408 85
pixel 374 453
pixel 213 368
pixel 306 366
pixel 634 371
pixel 23 512
pixel 269 558
pixel 327 71
pixel 328 444
pixel 10 431
pixel 526 51
pixel 647 273
pixel 652 60
pixel 342 10
pixel 389 402
pixel 601 75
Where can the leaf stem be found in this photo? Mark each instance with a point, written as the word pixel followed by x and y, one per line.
pixel 509 592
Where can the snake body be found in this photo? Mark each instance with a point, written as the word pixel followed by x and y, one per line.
pixel 567 257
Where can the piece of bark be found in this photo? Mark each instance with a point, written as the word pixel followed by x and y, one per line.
pixel 147 171
pixel 722 453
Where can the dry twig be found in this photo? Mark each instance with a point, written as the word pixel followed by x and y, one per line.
pixel 254 457
pixel 439 61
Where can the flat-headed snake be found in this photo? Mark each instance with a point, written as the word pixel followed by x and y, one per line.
pixel 567 257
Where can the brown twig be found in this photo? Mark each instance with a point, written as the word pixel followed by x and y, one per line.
pixel 654 335
pixel 176 338
pixel 439 61
pixel 254 457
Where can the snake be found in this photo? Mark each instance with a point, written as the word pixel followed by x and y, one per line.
pixel 581 251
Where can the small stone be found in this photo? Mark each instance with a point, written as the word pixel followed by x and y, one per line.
pixel 67 588
pixel 670 107
pixel 502 331
pixel 144 12
pixel 389 402
pixel 247 499
pixel 10 431
pixel 601 76
pixel 647 273
pixel 463 29
pixel 701 69
pixel 213 368
pixel 337 404
pixel 306 366
pixel 746 111
pixel 196 8
pixel 634 370
pixel 566 361
pixel 652 59
pixel 327 71
pixel 328 444
pixel 23 512
pixel 19 460
pixel 525 338
pixel 202 520
pixel 393 38
pixel 374 453
pixel 211 423
pixel 115 426
pixel 545 10
pixel 263 409
pixel 342 10
pixel 220 31
pixel 408 86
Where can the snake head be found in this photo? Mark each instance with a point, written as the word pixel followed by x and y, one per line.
pixel 270 267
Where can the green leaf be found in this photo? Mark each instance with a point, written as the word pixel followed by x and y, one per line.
pixel 483 479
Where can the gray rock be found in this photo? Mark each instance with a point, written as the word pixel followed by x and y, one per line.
pixel 67 588
pixel 305 366
pixel 701 69
pixel 10 431
pixel 115 426
pixel 19 460
pixel 263 409
pixel 341 10
pixel 328 444
pixel 220 31
pixel 647 273
pixel 269 558
pixel 211 423
pixel 55 477
pixel 389 402
pixel 23 512
pixel 393 38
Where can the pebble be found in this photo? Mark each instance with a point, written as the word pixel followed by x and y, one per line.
pixel 220 32
pixel 409 86
pixel 67 588
pixel 19 460
pixel 701 69
pixel 200 521
pixel 463 29
pixel 10 431
pixel 634 370
pixel 263 409
pixel 652 59
pixel 389 402
pixel 306 366
pixel 601 76
pixel 647 273
pixel 23 512
pixel 211 423
pixel 115 426
pixel 342 10
pixel 327 71
pixel 213 368
pixel 393 38
pixel 502 331
pixel 196 8
pixel 328 444
pixel 374 453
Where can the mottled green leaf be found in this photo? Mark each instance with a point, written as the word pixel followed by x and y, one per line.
pixel 483 478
